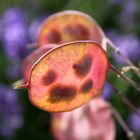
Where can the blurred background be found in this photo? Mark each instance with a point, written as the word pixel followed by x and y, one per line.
pixel 19 23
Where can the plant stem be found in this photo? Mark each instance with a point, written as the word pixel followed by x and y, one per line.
pixel 117 50
pixel 127 101
pixel 122 123
pixel 130 81
pixel 20 84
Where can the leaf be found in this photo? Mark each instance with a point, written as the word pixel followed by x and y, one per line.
pixel 69 26
pixel 68 76
pixel 92 121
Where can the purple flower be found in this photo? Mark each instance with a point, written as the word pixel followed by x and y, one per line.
pixel 34 28
pixel 127 16
pixel 130 6
pixel 107 91
pixel 129 45
pixel 14 37
pixel 13 15
pixel 134 122
pixel 10 112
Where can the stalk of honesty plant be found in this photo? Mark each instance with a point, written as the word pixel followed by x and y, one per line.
pixel 70 64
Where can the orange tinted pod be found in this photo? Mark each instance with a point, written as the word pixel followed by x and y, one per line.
pixel 69 26
pixel 68 76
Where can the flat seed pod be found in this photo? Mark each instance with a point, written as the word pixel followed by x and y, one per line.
pixel 29 61
pixel 69 26
pixel 92 121
pixel 68 76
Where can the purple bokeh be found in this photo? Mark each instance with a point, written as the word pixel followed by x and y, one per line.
pixel 128 44
pixel 10 112
pixel 127 16
pixel 34 28
pixel 14 34
pixel 13 71
pixel 134 122
pixel 107 91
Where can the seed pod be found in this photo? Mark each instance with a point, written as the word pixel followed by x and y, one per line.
pixel 92 121
pixel 68 76
pixel 69 26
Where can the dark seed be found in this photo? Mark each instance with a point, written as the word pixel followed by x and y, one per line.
pixel 54 36
pixel 68 30
pixel 62 93
pixel 86 86
pixel 83 66
pixel 49 78
pixel 78 32
pixel 81 32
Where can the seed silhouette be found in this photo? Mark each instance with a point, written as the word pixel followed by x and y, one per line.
pixel 54 36
pixel 78 32
pixel 87 86
pixel 49 78
pixel 83 66
pixel 62 93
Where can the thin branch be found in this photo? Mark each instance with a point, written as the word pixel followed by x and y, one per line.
pixel 127 68
pixel 127 101
pixel 130 81
pixel 117 50
pixel 20 84
pixel 122 123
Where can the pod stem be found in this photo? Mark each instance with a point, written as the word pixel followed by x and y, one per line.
pixel 20 84
pixel 117 50
pixel 122 123
pixel 126 101
pixel 130 81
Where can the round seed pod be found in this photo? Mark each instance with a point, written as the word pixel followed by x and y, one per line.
pixel 69 26
pixel 68 76
pixel 92 121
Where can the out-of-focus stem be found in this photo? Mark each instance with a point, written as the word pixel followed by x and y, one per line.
pixel 127 101
pixel 117 50
pixel 20 84
pixel 122 123
pixel 130 81
pixel 127 68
